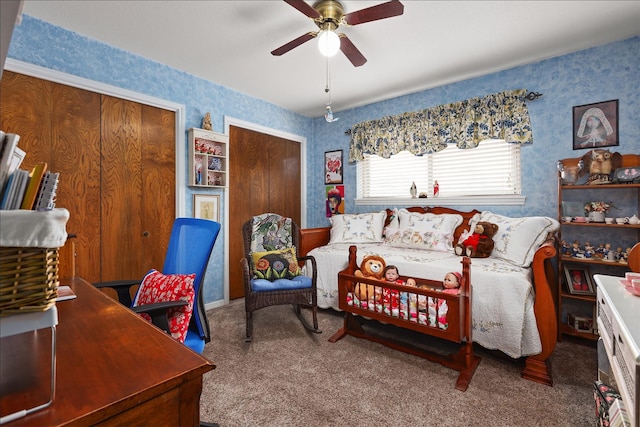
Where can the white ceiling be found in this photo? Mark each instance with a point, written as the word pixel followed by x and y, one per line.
pixel 431 44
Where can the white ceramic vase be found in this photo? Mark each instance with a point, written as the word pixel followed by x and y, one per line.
pixel 596 216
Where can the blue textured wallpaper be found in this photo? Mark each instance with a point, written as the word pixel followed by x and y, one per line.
pixel 40 43
pixel 598 74
pixel 593 75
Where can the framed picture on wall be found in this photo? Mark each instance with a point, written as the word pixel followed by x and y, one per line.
pixel 595 125
pixel 335 195
pixel 578 280
pixel 206 206
pixel 333 167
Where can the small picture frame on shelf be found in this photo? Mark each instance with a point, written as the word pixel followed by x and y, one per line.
pixel 206 206
pixel 580 323
pixel 578 280
pixel 595 125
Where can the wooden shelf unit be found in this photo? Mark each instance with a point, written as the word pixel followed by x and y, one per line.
pixel 604 192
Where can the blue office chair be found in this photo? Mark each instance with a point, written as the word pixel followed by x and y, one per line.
pixel 190 247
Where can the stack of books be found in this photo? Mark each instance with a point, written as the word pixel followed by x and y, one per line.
pixel 22 189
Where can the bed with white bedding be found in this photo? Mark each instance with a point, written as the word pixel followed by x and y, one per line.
pixel 512 304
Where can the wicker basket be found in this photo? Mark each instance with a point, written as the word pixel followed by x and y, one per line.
pixel 28 279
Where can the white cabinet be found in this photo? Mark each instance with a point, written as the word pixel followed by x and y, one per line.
pixel 208 158
pixel 619 328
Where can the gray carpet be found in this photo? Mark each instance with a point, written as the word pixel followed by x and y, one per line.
pixel 289 377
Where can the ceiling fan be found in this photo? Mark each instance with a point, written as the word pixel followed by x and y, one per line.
pixel 328 15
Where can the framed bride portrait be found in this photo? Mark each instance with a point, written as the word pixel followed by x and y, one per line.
pixel 595 125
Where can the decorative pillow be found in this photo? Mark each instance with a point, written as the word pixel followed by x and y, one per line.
pixel 158 287
pixel 274 265
pixel 271 232
pixel 357 228
pixel 410 238
pixel 423 231
pixel 427 222
pixel 517 239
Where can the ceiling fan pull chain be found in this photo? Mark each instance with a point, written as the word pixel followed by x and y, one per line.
pixel 329 114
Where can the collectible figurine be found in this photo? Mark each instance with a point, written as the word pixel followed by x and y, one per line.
pixel 206 122
pixel 575 249
pixel 588 250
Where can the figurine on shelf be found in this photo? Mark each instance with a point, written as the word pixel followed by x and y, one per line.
pixel 413 191
pixel 589 252
pixel 600 164
pixel 618 255
pixel 565 249
pixel 436 188
pixel 600 252
pixel 575 249
pixel 624 257
pixel 206 122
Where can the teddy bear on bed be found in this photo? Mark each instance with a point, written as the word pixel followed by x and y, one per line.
pixel 478 244
pixel 372 267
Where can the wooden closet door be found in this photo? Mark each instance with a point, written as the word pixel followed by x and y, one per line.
pixel 284 177
pixel 158 184
pixel 119 190
pixel 264 176
pixel 60 125
pixel 248 187
pixel 138 190
pixel 75 154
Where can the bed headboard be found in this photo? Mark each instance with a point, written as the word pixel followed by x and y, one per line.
pixel 466 216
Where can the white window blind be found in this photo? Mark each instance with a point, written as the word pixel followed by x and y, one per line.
pixel 492 168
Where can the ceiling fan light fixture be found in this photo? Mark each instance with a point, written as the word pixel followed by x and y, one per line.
pixel 328 43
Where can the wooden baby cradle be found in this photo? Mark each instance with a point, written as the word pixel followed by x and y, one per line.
pixel 455 326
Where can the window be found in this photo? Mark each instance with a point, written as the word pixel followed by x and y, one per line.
pixel 491 169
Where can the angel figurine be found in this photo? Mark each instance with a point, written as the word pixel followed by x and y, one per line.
pixel 206 122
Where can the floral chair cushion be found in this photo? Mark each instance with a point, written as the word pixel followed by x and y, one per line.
pixel 273 265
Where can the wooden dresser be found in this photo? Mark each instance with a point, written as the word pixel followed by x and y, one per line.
pixel 619 328
pixel 113 368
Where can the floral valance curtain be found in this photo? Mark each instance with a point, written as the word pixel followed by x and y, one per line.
pixel 465 123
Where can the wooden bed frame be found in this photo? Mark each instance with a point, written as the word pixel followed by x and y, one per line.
pixel 537 367
pixel 458 318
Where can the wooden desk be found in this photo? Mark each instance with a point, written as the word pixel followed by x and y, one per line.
pixel 113 368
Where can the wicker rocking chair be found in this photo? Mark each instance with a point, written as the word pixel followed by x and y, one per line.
pixel 272 275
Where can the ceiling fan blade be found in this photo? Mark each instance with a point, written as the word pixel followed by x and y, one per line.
pixel 373 13
pixel 304 8
pixel 351 51
pixel 294 43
